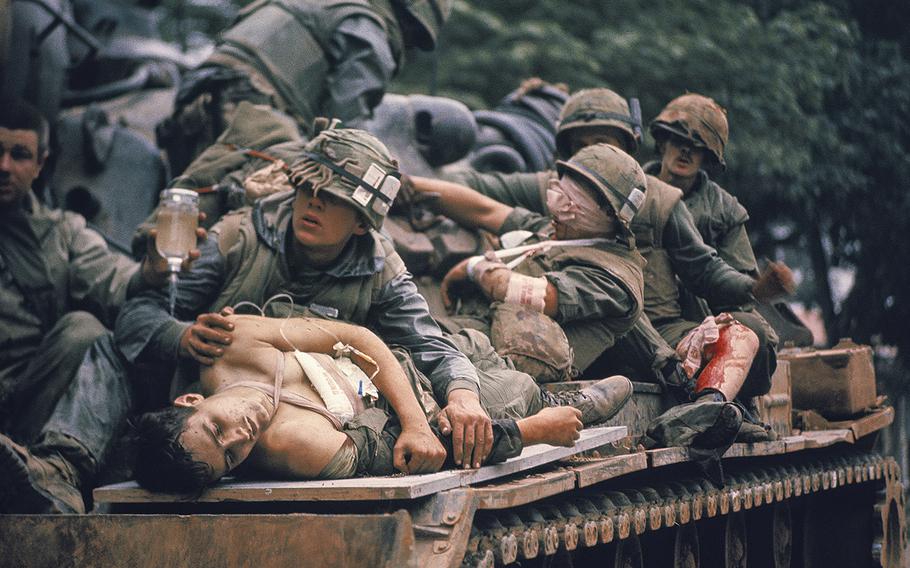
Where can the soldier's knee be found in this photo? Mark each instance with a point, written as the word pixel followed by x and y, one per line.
pixel 77 330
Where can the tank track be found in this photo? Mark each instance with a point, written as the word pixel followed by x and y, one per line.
pixel 614 510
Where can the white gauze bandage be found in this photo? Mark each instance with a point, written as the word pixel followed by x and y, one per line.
pixel 570 203
pixel 527 291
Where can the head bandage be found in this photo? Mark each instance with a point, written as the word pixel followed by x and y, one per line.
pixel 571 203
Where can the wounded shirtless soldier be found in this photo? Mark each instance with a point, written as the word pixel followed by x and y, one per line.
pixel 334 383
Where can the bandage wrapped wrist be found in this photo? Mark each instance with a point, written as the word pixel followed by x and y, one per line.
pixel 479 265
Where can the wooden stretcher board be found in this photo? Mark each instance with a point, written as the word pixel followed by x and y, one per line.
pixel 366 488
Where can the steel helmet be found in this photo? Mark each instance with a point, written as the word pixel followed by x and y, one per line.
pixel 615 174
pixel 696 118
pixel 429 17
pixel 352 165
pixel 598 107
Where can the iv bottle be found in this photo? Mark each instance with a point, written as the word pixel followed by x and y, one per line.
pixel 178 216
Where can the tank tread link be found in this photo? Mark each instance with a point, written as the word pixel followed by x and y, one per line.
pixel 613 521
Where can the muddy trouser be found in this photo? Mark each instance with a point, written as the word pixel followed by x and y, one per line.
pixel 48 372
pixel 641 354
pixel 93 411
pixel 506 395
pixel 374 433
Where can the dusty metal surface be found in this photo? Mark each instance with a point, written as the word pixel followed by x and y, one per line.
pixel 152 541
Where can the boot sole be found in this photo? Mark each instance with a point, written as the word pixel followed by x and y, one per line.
pixel 17 494
pixel 723 431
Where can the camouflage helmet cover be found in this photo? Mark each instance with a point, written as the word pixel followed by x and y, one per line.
pixel 352 165
pixel 696 118
pixel 429 15
pixel 597 107
pixel 615 174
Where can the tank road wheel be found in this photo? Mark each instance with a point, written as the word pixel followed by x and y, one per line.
pixel 837 528
pixel 889 540
pixel 723 543
pixel 625 553
pixel 673 547
pixel 770 536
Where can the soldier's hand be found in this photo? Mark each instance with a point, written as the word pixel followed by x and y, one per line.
pixel 470 427
pixel 454 277
pixel 775 280
pixel 418 450
pixel 207 338
pixel 154 267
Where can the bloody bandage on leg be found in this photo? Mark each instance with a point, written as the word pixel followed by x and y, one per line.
pixel 527 291
pixel 730 358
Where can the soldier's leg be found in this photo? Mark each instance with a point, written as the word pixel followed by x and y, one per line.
pixel 49 475
pixel 758 380
pixel 51 371
pixel 504 391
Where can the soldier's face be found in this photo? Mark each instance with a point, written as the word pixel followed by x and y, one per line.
pixel 324 223
pixel 583 137
pixel 20 164
pixel 681 158
pixel 224 429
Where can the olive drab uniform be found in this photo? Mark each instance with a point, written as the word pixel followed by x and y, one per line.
pixel 255 274
pixel 282 44
pixel 591 337
pixel 59 287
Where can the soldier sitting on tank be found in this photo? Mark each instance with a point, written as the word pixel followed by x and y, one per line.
pixel 317 241
pixel 314 399
pixel 304 58
pixel 665 234
pixel 691 132
pixel 557 304
pixel 60 285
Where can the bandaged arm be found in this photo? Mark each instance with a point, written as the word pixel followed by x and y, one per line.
pixel 501 284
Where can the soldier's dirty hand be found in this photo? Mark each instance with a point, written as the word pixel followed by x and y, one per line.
pixel 776 280
pixel 470 427
pixel 455 276
pixel 418 451
pixel 155 270
pixel 207 338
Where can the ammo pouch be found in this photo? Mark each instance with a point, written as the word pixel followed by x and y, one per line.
pixel 533 341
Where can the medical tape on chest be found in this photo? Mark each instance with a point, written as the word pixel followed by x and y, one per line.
pixel 340 383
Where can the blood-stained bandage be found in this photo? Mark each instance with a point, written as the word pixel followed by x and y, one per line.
pixel 527 291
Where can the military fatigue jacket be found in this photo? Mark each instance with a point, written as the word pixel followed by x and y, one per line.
pixel 665 233
pixel 328 58
pixel 244 259
pixel 52 263
pixel 600 287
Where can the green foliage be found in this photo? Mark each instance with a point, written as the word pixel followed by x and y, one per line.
pixel 817 98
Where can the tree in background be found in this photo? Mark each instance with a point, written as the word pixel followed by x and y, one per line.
pixel 819 110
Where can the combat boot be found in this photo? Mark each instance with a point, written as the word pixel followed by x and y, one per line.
pixel 37 484
pixel 598 402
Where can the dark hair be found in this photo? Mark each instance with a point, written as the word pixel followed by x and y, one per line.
pixel 17 114
pixel 162 463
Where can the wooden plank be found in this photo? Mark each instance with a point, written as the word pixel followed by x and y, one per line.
pixel 151 541
pixel 366 488
pixel 757 449
pixel 794 443
pixel 608 468
pixel 524 490
pixel 867 424
pixel 825 438
pixel 666 456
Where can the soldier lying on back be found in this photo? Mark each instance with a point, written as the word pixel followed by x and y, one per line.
pixel 325 377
